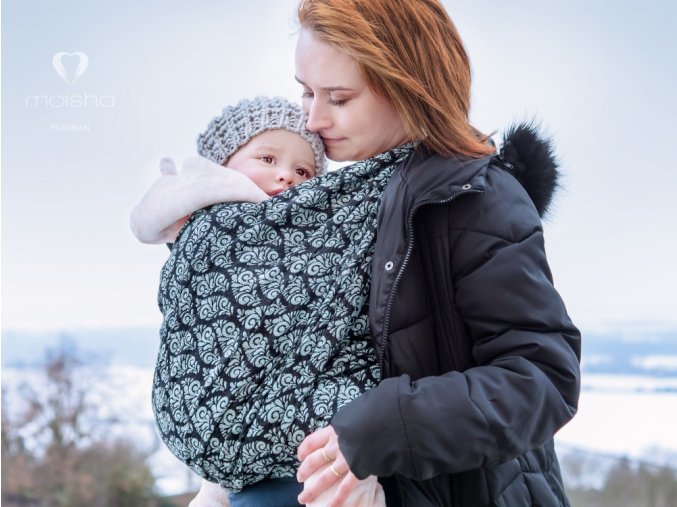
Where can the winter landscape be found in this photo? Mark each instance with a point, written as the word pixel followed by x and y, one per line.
pixel 628 404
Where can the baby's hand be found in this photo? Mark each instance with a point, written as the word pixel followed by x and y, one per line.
pixel 205 183
pixel 167 166
pixel 174 196
pixel 158 218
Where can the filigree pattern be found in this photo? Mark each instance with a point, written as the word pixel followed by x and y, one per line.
pixel 265 332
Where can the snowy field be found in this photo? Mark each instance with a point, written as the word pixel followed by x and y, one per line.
pixel 626 415
pixel 621 415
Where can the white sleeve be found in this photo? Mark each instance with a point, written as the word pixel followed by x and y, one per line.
pixel 172 198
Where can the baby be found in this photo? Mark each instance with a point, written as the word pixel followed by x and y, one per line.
pixel 265 148
pixel 253 151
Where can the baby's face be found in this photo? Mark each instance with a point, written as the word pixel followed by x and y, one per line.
pixel 275 160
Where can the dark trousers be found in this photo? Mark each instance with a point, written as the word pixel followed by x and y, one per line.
pixel 268 493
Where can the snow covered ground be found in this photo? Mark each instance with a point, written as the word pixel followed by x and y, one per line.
pixel 634 424
pixel 623 415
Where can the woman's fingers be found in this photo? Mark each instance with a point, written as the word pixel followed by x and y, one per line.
pixel 317 459
pixel 314 441
pixel 348 484
pixel 322 467
pixel 325 477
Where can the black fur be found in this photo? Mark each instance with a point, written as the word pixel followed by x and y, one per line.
pixel 530 157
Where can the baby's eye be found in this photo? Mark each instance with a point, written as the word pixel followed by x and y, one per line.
pixel 267 159
pixel 304 173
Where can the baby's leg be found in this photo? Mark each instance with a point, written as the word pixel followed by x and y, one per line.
pixel 210 495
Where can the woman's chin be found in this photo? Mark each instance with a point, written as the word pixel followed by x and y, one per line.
pixel 337 155
pixel 344 153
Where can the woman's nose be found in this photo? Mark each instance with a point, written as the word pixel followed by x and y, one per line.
pixel 317 117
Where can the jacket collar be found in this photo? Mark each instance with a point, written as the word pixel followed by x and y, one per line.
pixel 434 178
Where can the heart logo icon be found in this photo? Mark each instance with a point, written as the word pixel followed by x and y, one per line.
pixel 70 66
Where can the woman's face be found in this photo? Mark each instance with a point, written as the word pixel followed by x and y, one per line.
pixel 354 122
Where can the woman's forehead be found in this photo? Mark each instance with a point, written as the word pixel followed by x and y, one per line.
pixel 321 65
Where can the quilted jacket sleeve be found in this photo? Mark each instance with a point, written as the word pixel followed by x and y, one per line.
pixel 526 382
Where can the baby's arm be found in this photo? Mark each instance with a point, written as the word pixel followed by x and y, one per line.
pixel 174 196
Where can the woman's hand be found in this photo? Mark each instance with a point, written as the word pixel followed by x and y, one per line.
pixel 319 452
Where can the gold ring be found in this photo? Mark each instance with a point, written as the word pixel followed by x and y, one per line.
pixel 327 459
pixel 333 471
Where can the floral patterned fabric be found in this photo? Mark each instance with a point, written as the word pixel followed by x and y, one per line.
pixel 265 332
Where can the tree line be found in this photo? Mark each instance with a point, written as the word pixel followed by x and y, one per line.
pixel 59 450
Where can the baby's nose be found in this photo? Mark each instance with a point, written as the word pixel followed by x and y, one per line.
pixel 285 175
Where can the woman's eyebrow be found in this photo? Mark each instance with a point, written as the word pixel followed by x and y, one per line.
pixel 327 88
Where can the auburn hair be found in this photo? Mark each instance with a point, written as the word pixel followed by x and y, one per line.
pixel 410 52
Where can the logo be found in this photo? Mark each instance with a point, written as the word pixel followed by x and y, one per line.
pixel 70 66
pixel 74 109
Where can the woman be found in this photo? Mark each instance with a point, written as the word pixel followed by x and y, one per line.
pixel 480 359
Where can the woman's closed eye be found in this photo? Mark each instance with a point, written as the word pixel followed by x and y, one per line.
pixel 337 102
pixel 331 100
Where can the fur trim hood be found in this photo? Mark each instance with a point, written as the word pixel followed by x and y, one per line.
pixel 529 156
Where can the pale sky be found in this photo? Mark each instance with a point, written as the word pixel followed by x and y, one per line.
pixel 601 77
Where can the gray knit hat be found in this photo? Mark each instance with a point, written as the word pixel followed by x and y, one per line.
pixel 238 124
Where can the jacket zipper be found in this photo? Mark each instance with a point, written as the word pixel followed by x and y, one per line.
pixel 410 247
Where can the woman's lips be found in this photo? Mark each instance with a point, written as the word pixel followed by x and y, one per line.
pixel 330 141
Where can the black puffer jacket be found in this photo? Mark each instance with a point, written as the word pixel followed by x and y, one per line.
pixel 481 358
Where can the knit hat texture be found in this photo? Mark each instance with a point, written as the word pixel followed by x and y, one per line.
pixel 238 124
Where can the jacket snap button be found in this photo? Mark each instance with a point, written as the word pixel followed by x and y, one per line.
pixel 467 186
pixel 389 265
